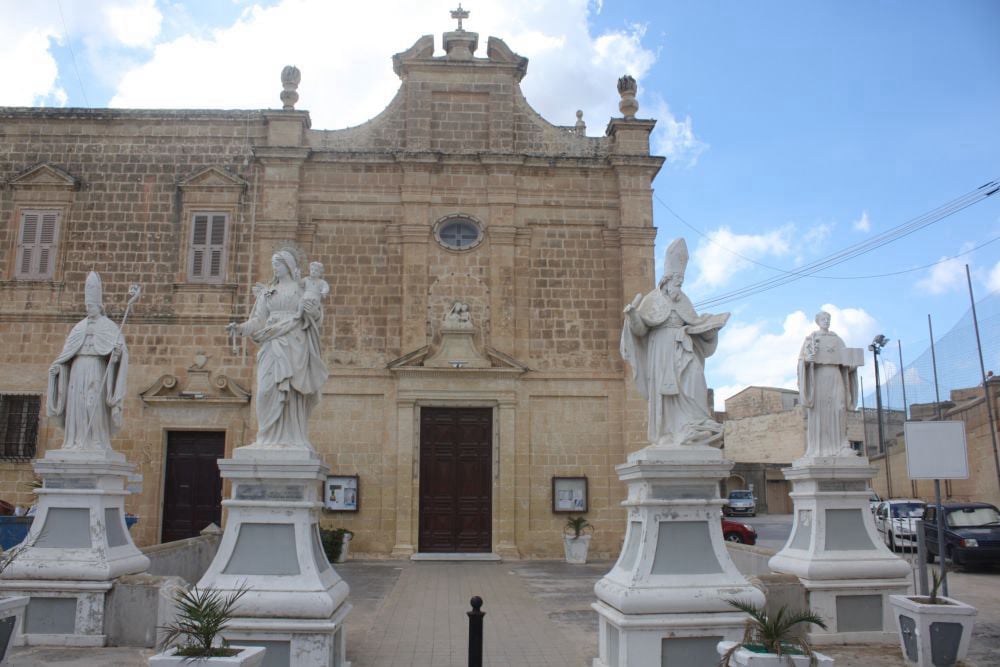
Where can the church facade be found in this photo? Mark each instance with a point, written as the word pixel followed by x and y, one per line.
pixel 478 259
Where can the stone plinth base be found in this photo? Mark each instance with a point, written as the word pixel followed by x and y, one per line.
pixel 271 546
pixel 78 544
pixel 79 530
pixel 62 613
pixel 295 642
pixel 836 553
pixel 668 589
pixel 636 640
pixel 856 611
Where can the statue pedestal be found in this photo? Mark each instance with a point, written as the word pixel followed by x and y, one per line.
pixel 664 600
pixel 78 544
pixel 837 555
pixel 296 603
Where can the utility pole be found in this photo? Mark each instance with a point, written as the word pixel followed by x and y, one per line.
pixel 876 347
pixel 986 380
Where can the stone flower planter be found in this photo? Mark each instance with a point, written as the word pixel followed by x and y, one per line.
pixel 932 634
pixel 11 623
pixel 576 548
pixel 746 658
pixel 345 546
pixel 250 656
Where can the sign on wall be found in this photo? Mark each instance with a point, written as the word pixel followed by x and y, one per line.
pixel 341 493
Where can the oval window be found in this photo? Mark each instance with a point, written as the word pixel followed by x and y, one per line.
pixel 459 233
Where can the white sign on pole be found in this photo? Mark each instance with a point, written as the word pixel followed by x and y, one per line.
pixel 936 450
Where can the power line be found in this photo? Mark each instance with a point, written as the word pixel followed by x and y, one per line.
pixel 861 248
pixel 916 268
pixel 72 54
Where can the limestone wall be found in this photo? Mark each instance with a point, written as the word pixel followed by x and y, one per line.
pixel 567 241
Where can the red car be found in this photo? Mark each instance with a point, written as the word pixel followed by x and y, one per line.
pixel 735 531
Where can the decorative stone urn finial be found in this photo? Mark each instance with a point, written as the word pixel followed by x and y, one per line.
pixel 580 127
pixel 628 104
pixel 290 78
pixel 459 14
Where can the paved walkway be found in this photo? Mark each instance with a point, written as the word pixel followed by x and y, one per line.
pixel 538 614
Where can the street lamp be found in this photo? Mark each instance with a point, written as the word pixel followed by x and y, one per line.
pixel 876 347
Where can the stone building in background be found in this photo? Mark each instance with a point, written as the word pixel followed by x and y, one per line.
pixel 967 405
pixel 765 431
pixel 458 192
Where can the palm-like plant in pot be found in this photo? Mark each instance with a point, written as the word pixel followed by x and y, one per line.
pixel 194 636
pixel 772 639
pixel 575 542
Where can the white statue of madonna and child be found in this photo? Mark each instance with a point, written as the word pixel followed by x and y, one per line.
pixel 666 343
pixel 286 323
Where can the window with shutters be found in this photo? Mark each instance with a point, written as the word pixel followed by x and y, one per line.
pixel 207 257
pixel 36 244
pixel 19 425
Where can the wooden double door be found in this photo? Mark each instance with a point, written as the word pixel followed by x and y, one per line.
pixel 192 485
pixel 455 480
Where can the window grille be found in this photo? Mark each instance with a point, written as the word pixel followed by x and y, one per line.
pixel 458 233
pixel 19 424
pixel 207 260
pixel 37 243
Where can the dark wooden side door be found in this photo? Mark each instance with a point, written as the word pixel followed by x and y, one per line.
pixel 192 486
pixel 455 479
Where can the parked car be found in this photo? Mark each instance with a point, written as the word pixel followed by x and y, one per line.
pixel 896 520
pixel 735 531
pixel 971 533
pixel 740 502
pixel 873 499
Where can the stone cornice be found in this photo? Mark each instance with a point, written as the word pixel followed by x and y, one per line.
pixel 280 153
pixel 501 234
pixel 644 161
pixel 637 235
pixel 414 233
pixel 272 115
pixel 616 125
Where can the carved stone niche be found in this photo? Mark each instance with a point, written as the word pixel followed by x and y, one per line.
pixel 457 347
pixel 198 385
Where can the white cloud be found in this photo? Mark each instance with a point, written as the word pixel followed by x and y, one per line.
pixel 756 353
pixel 674 138
pixel 98 33
pixel 715 259
pixel 945 276
pixel 134 24
pixel 347 75
pixel 30 71
pixel 862 224
pixel 993 278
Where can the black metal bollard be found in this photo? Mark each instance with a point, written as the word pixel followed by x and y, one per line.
pixel 476 632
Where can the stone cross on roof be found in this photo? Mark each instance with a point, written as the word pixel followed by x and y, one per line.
pixel 460 14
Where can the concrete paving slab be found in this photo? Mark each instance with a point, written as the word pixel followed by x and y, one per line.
pixel 412 614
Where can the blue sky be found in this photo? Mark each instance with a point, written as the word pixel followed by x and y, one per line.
pixel 792 129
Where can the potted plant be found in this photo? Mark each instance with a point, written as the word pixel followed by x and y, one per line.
pixel 772 640
pixel 575 542
pixel 12 610
pixel 336 543
pixel 933 629
pixel 194 636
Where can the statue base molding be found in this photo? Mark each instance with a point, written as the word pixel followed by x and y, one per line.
pixel 296 602
pixel 295 641
pixel 77 546
pixel 666 595
pixel 836 553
